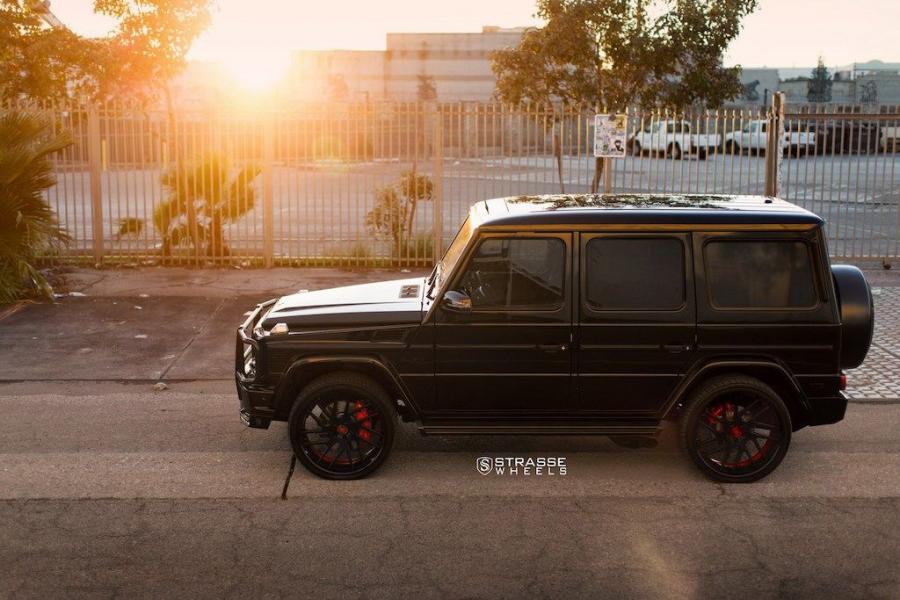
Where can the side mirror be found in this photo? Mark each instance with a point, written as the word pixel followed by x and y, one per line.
pixel 457 301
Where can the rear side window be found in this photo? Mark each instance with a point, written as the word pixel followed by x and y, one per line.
pixel 759 274
pixel 635 273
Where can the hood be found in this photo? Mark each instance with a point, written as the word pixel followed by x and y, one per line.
pixel 382 303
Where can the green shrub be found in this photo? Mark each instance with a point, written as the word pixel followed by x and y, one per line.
pixel 28 226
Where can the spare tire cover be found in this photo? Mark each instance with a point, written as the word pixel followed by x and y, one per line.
pixel 857 314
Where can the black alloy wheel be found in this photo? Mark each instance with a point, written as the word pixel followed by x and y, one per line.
pixel 342 426
pixel 736 429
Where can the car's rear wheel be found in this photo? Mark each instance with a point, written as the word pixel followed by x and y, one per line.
pixel 736 429
pixel 636 149
pixel 342 426
pixel 732 147
pixel 674 151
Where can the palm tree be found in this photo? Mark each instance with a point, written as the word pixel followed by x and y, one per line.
pixel 201 199
pixel 27 223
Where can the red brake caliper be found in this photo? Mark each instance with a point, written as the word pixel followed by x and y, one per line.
pixel 734 431
pixel 362 417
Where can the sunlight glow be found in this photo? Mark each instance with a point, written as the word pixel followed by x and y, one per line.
pixel 257 70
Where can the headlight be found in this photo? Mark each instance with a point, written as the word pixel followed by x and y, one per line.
pixel 249 361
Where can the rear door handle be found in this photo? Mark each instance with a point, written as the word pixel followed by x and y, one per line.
pixel 676 348
pixel 552 347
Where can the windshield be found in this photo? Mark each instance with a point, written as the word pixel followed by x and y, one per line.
pixel 446 264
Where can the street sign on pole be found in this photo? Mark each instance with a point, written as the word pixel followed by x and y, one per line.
pixel 609 135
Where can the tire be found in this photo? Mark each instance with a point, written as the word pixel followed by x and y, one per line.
pixel 731 147
pixel 724 416
pixel 857 310
pixel 636 149
pixel 339 415
pixel 673 151
pixel 701 154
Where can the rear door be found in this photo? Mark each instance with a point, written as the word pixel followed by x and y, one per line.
pixel 762 296
pixel 637 321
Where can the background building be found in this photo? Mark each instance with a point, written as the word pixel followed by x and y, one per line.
pixel 415 66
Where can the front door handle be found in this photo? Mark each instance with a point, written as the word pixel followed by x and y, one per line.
pixel 552 347
pixel 676 348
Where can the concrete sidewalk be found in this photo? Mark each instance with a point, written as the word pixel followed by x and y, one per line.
pixel 177 325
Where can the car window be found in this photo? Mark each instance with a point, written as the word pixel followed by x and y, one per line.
pixel 516 274
pixel 635 273
pixel 759 274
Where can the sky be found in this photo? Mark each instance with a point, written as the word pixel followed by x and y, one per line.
pixel 781 33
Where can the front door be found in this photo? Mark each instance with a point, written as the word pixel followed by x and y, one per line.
pixel 511 354
pixel 637 326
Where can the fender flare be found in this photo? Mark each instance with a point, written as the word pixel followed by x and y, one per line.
pixel 368 362
pixel 681 391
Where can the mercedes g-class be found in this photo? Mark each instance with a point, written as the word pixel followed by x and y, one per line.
pixel 574 314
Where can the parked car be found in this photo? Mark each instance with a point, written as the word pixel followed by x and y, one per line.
pixel 606 314
pixel 752 138
pixel 672 139
pixel 843 136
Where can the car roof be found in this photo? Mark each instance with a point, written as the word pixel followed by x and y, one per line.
pixel 645 209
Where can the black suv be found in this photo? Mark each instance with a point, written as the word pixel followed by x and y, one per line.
pixel 574 314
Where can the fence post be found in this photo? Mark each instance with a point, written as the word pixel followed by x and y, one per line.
pixel 95 167
pixel 607 175
pixel 437 234
pixel 268 208
pixel 774 144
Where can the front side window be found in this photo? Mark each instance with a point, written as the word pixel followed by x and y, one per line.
pixel 516 274
pixel 759 274
pixel 635 273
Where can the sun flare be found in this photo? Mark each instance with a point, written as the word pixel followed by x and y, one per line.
pixel 257 71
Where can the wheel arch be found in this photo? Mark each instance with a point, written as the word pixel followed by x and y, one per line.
pixel 309 368
pixel 771 373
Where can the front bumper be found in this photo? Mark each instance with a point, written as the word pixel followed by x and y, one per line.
pixel 254 395
pixel 255 404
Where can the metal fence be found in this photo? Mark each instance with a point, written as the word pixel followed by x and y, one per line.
pixel 325 183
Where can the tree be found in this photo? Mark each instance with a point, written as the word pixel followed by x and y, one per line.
pixel 41 62
pixel 201 200
pixel 617 53
pixel 614 53
pixel 150 47
pixel 152 39
pixel 819 84
pixel 395 208
pixel 27 223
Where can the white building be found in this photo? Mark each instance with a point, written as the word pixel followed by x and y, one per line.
pixel 447 67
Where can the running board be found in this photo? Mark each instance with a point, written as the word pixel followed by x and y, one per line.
pixel 534 429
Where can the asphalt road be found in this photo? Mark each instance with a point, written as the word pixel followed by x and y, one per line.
pixel 111 490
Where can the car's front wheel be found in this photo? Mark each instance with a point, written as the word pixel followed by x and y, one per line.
pixel 342 426
pixel 736 429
